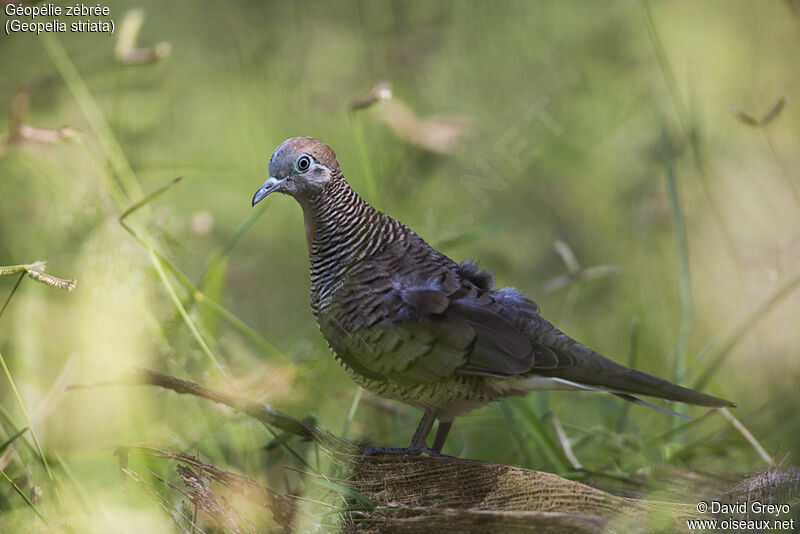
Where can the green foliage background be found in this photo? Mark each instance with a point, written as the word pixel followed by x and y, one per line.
pixel 577 111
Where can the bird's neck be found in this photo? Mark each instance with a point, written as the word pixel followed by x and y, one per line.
pixel 338 217
pixel 341 230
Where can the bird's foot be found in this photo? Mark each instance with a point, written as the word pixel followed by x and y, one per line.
pixel 409 451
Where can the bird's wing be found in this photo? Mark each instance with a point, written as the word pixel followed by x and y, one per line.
pixel 390 335
pixel 392 327
pixel 414 330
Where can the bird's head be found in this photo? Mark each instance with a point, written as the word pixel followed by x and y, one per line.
pixel 300 167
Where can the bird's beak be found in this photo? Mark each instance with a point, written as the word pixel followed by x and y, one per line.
pixel 269 186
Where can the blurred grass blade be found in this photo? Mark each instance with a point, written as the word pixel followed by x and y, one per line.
pixel 216 265
pixel 200 297
pixel 12 439
pixel 351 413
pixel 159 268
pixel 747 435
pixel 663 61
pixel 683 426
pixel 18 398
pixel 39 450
pixel 11 294
pixel 513 426
pixel 163 502
pixel 241 326
pixel 26 499
pixel 147 199
pixel 566 446
pixel 83 497
pixel 157 258
pixel 538 432
pixel 185 315
pixel 232 241
pixel 214 288
pixel 323 481
pixel 688 123
pixel 123 173
pixel 121 169
pixel 718 348
pixel 353 508
pixel 633 352
pixel 682 255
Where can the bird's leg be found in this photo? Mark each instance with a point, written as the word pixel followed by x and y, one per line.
pixel 441 435
pixel 423 429
pixel 417 445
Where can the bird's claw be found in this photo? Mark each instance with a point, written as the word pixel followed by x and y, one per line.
pixel 408 451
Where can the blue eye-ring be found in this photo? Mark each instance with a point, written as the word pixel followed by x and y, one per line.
pixel 303 163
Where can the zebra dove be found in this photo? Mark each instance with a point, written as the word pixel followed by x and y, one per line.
pixel 408 323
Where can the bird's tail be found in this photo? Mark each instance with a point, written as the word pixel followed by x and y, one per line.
pixel 622 380
pixel 585 369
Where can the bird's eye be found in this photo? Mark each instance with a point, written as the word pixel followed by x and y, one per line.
pixel 303 163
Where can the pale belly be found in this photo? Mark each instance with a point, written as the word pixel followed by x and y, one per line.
pixel 451 397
